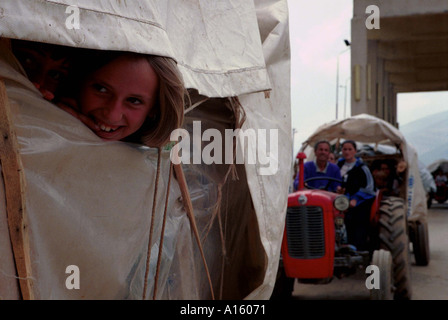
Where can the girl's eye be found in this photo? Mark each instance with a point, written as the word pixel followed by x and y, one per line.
pixel 135 101
pixel 29 61
pixel 99 88
pixel 56 74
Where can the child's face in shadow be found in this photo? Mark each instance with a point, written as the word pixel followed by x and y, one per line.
pixel 43 69
pixel 119 97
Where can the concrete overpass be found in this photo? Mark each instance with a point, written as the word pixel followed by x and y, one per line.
pixel 397 46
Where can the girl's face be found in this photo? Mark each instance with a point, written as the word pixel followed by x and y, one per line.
pixel 119 97
pixel 348 152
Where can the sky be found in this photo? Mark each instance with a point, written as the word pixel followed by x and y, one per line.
pixel 317 32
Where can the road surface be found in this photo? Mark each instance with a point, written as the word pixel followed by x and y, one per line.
pixel 428 282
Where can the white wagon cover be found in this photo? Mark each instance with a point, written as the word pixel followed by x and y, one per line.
pixel 89 203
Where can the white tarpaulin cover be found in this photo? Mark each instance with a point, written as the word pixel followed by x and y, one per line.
pixel 440 163
pixel 89 203
pixel 368 129
pixel 216 43
pixel 427 179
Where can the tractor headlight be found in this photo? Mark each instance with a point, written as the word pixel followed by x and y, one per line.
pixel 341 203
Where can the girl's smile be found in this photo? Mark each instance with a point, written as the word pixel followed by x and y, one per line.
pixel 119 97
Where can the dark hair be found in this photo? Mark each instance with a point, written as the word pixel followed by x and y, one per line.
pixel 55 51
pixel 376 164
pixel 321 141
pixel 353 143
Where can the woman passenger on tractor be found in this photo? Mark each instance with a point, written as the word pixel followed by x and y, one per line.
pixel 358 185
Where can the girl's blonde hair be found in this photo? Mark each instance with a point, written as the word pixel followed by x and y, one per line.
pixel 169 106
pixel 170 102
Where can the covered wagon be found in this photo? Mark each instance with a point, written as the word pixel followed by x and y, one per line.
pixel 376 140
pixel 81 218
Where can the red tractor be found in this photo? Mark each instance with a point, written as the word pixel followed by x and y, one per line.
pixel 315 250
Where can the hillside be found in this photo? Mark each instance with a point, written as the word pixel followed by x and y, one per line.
pixel 429 135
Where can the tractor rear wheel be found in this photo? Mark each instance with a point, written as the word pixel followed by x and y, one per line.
pixel 420 243
pixel 393 237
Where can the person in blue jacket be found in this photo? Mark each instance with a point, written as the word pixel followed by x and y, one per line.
pixel 321 167
pixel 359 186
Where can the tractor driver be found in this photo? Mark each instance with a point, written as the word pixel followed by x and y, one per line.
pixel 321 167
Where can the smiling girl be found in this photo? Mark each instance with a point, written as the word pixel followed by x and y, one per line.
pixel 123 96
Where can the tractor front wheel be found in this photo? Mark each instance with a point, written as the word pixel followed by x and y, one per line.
pixel 383 260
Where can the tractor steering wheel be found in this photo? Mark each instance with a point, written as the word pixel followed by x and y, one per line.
pixel 330 179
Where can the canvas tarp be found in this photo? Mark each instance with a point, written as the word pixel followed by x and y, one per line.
pixel 89 203
pixel 440 163
pixel 215 43
pixel 427 179
pixel 368 129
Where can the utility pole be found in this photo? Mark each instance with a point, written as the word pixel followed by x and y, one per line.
pixel 347 43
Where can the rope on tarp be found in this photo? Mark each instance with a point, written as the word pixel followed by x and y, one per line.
pixel 189 209
pixel 239 118
pixel 151 228
pixel 159 258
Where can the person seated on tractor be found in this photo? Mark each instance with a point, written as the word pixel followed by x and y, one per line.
pixel 332 158
pixel 379 175
pixel 358 186
pixel 385 177
pixel 321 167
pixel 440 180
